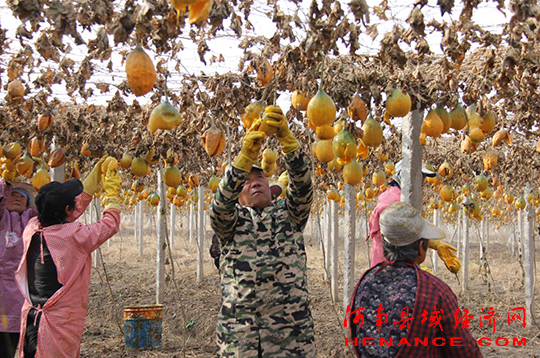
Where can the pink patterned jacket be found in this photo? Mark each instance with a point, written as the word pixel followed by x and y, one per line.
pixel 71 245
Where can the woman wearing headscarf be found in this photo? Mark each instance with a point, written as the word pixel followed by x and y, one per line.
pixel 16 209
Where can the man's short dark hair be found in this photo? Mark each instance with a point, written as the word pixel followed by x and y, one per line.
pixel 407 253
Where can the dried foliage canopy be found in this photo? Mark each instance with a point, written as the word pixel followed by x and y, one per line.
pixel 495 71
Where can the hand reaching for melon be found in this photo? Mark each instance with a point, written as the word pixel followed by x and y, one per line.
pixel 92 180
pixel 111 184
pixel 274 122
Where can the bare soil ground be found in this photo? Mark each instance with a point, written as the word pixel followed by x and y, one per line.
pixel 132 280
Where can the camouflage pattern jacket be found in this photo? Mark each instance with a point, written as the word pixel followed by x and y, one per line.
pixel 264 310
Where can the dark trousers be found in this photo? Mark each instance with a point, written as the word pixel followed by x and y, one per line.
pixel 8 344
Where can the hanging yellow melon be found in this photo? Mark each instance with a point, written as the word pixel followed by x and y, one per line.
pixel 199 11
pixel 490 158
pixel 251 113
pixel 459 117
pixel 432 125
pixel 353 173
pixel 378 178
pixel 398 104
pixel 325 132
pixel 344 146
pixel 480 182
pixel 335 166
pixel 139 167
pixel 140 71
pixel 321 109
pixel 373 134
pixel 299 100
pixel 488 123
pixel 164 117
pixel 476 135
pixel 445 118
pixel 270 155
pixel 324 151
pixel 213 141
pixel 172 176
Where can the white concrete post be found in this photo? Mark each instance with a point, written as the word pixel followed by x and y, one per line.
pixel 460 233
pixel 191 221
pixel 513 243
pixel 520 230
pixel 486 243
pixel 465 254
pixel 172 225
pixel 434 254
pixel 327 240
pixel 334 253
pixel 136 211
pixel 200 245
pixel 482 237
pixel 411 150
pixel 529 258
pixel 140 204
pixel 350 234
pixel 97 213
pixel 161 234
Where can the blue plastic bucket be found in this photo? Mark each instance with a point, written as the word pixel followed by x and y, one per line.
pixel 142 326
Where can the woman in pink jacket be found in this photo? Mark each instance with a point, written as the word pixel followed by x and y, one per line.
pixel 15 212
pixel 54 274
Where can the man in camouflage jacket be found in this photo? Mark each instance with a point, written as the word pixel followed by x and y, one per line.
pixel 265 310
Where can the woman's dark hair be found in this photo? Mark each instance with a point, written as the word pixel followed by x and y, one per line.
pixel 407 253
pixel 55 214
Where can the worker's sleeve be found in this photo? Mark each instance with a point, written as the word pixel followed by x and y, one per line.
pixel 5 193
pixel 468 347
pixel 224 214
pixel 300 189
pixel 92 236
pixel 81 203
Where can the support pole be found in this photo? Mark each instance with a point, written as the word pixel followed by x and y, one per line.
pixel 465 254
pixel 411 169
pixel 97 213
pixel 482 237
pixel 460 232
pixel 520 230
pixel 136 211
pixel 161 242
pixel 191 221
pixel 333 250
pixel 529 258
pixel 434 254
pixel 140 204
pixel 200 245
pixel 486 243
pixel 327 240
pixel 172 225
pixel 350 233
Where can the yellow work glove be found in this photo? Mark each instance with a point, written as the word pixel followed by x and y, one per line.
pixel 111 187
pixel 282 182
pixel 251 147
pixel 274 117
pixel 445 253
pixel 92 180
